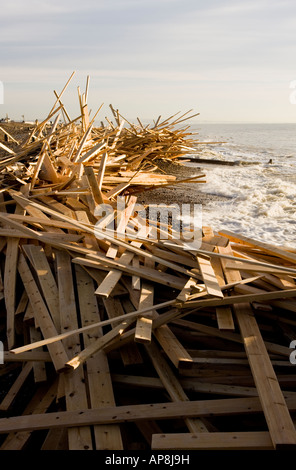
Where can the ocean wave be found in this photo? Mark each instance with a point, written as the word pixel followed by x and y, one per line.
pixel 260 198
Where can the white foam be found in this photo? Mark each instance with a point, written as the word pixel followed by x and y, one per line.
pixel 259 205
pixel 257 200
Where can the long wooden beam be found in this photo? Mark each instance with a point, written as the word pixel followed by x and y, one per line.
pixel 241 299
pixel 279 422
pixel 128 413
pixel 268 248
pixel 213 441
pixel 83 329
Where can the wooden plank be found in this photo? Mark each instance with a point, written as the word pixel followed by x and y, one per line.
pixel 2 288
pixel 44 221
pixel 9 135
pixel 241 266
pixel 273 250
pixel 147 273
pixel 229 336
pixel 28 356
pixel 40 403
pixel 59 96
pixel 43 152
pixel 89 240
pixel 193 386
pixel 176 353
pixel 212 239
pixel 138 381
pixel 256 440
pixel 74 203
pixel 279 422
pixel 260 297
pixel 102 168
pixel 144 253
pixel 29 316
pixel 224 314
pixel 97 345
pixel 171 345
pixel 180 258
pixel 147 429
pixel 166 338
pixel 122 221
pixel 283 304
pixel 62 336
pixel 172 385
pixel 117 190
pixel 8 150
pixel 47 281
pixel 10 272
pixel 136 280
pixel 75 391
pixel 99 276
pixel 13 392
pixel 208 275
pixel 57 351
pixel 129 353
pixel 26 232
pixel 56 439
pixel 187 290
pixel 50 205
pixel 107 286
pixel 22 305
pixel 254 262
pixel 282 282
pixel 39 214
pixel 143 331
pixel 39 369
pixel 93 184
pixel 168 341
pixel 48 171
pixel 225 318
pixel 92 153
pixel 149 411
pixel 107 437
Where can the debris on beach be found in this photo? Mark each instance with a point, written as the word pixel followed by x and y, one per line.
pixel 117 333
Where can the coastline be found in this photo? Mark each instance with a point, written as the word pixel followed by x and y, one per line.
pixel 180 193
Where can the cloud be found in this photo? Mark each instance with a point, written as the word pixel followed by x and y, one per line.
pixel 156 51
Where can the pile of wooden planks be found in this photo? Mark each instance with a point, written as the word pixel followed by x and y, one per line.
pixel 64 156
pixel 114 339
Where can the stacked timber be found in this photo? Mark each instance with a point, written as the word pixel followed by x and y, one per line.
pixel 116 339
pixel 119 157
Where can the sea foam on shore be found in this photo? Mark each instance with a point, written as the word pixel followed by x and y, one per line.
pixel 258 197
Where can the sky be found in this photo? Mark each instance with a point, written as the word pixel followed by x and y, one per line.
pixel 229 61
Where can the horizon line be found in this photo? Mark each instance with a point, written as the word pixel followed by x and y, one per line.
pixel 148 120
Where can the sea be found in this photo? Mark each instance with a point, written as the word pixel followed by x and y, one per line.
pixel 256 197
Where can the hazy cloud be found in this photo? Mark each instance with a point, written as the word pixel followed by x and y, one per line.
pixel 154 54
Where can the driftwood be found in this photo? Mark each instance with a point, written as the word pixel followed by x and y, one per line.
pixel 115 331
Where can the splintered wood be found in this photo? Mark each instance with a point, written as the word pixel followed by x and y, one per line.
pixel 115 336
